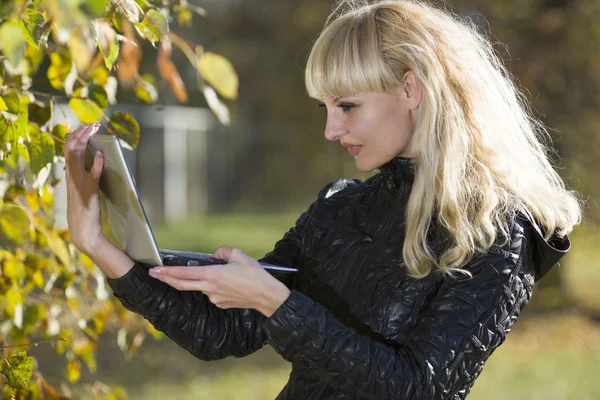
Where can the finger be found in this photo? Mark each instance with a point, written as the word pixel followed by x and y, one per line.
pixel 73 135
pixel 96 170
pixel 184 284
pixel 75 151
pixel 84 137
pixel 190 273
pixel 222 253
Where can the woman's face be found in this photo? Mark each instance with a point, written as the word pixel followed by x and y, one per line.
pixel 375 127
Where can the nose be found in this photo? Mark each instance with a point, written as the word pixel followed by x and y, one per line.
pixel 334 129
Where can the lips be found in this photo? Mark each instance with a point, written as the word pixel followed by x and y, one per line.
pixel 354 150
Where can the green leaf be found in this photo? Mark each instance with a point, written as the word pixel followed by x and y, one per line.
pixel 93 8
pixel 14 223
pixel 41 149
pixel 219 73
pixel 13 42
pixel 145 89
pixel 86 110
pixel 18 150
pixel 31 317
pixel 39 113
pixel 126 127
pixel 111 53
pixel 17 128
pixel 158 21
pixel 60 66
pixel 12 102
pixel 20 370
pixel 32 27
pixel 14 269
pixel 59 131
pixel 147 31
pixel 98 95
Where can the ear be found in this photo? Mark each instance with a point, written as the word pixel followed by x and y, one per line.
pixel 412 90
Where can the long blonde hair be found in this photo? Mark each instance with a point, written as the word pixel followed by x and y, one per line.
pixel 480 153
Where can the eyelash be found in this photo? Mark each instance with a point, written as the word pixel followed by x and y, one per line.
pixel 346 107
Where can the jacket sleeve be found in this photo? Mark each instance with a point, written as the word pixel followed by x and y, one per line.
pixel 466 321
pixel 191 320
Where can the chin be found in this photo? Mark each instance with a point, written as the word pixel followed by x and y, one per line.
pixel 363 166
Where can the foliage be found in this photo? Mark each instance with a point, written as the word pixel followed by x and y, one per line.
pixel 84 51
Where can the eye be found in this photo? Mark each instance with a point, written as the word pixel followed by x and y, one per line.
pixel 346 107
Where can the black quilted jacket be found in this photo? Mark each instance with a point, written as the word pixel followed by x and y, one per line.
pixel 356 326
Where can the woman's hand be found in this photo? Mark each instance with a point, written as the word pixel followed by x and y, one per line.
pixel 83 202
pixel 241 283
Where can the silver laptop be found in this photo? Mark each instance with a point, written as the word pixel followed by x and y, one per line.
pixel 124 221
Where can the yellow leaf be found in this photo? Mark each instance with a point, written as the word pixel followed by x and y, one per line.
pixel 219 73
pixel 86 262
pixel 87 351
pixel 79 52
pixel 38 279
pixel 100 75
pixel 73 371
pixel 86 110
pixel 2 104
pixel 13 300
pixel 58 71
pixel 14 223
pixel 14 269
pixel 47 197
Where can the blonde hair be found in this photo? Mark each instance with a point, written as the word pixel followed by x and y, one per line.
pixel 480 154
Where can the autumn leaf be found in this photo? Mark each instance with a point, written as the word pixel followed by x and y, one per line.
pixel 130 57
pixel 169 72
pixel 125 127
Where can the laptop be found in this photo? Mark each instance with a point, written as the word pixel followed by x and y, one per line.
pixel 124 220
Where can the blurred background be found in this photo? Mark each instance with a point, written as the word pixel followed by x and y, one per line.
pixel 205 185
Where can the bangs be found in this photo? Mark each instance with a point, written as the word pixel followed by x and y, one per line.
pixel 346 60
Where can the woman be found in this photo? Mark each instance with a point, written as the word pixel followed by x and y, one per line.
pixel 407 281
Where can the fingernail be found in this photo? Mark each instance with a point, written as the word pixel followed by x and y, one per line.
pixel 98 153
pixel 154 272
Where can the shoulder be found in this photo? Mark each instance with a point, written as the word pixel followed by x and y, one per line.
pixel 339 188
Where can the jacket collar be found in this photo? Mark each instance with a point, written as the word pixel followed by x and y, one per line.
pixel 398 171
